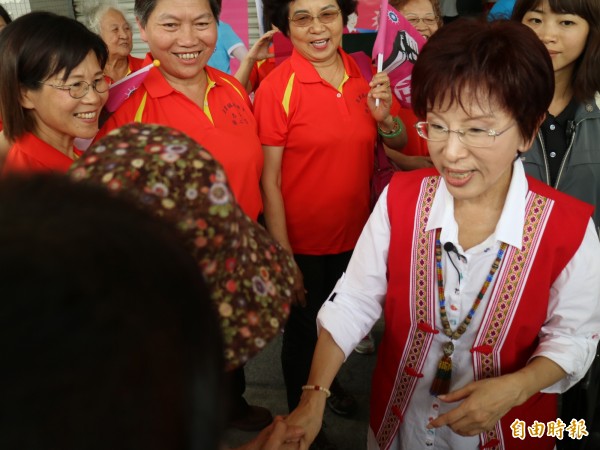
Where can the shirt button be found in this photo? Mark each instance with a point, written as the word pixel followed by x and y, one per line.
pixel 339 95
pixel 552 154
pixel 552 127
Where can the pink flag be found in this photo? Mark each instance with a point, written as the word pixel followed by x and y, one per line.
pixel 117 93
pixel 122 89
pixel 379 45
pixel 399 43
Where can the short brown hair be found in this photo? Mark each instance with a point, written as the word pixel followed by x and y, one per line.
pixel 484 58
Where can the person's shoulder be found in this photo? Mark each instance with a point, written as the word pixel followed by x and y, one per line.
pixel 28 154
pixel 135 63
pixel 220 77
pixel 565 202
pixel 224 27
pixel 415 176
pixel 279 76
pixel 588 109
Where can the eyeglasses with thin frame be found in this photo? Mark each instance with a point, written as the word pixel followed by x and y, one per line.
pixel 303 20
pixel 473 137
pixel 81 88
pixel 428 20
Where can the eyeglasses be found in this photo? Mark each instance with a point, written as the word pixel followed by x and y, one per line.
pixel 473 137
pixel 414 20
pixel 81 88
pixel 304 20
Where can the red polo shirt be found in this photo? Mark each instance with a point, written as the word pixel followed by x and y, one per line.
pixel 30 154
pixel 225 127
pixel 135 63
pixel 260 70
pixel 328 138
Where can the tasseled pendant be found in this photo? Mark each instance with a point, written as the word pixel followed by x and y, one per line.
pixel 443 375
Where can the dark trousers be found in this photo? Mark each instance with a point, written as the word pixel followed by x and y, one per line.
pixel 300 336
pixel 238 406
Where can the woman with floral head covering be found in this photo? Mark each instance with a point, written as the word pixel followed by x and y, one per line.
pixel 168 173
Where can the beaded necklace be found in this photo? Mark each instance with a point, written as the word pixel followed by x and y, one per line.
pixel 443 375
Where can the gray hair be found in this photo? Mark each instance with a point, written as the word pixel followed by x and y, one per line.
pixel 95 14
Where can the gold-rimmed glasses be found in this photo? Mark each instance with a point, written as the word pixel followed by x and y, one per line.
pixel 428 20
pixel 303 20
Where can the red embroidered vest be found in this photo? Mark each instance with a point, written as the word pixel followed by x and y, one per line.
pixel 508 334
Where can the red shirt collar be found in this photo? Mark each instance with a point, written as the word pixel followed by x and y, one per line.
pixel 157 85
pixel 306 73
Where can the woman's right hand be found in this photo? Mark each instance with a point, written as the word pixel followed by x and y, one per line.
pixel 309 416
pixel 260 49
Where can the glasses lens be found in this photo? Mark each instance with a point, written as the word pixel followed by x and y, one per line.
pixel 476 137
pixel 79 89
pixel 302 20
pixel 101 85
pixel 429 21
pixel 435 132
pixel 414 21
pixel 328 16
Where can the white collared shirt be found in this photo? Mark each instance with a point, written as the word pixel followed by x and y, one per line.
pixel 569 337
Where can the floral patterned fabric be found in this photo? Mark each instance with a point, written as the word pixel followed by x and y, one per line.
pixel 168 173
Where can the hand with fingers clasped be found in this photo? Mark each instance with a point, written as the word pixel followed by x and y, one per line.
pixel 308 415
pixel 482 405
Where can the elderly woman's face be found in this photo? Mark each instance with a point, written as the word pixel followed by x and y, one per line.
pixel 475 166
pixel 421 15
pixel 182 35
pixel 316 41
pixel 116 33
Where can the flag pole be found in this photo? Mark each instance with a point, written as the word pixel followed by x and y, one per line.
pixel 379 45
pixel 379 69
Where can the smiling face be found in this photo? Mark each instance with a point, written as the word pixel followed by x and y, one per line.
pixel 116 33
pixel 475 174
pixel 60 118
pixel 182 35
pixel 421 9
pixel 318 42
pixel 564 35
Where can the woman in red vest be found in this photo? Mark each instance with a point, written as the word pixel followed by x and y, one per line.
pixel 490 307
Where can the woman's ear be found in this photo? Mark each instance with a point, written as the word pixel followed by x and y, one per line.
pixel 27 98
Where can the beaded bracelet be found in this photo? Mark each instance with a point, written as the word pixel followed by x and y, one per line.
pixel 395 131
pixel 310 387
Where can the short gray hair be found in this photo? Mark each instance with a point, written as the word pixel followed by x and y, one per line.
pixel 94 14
